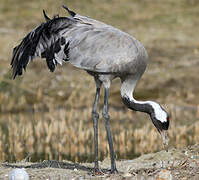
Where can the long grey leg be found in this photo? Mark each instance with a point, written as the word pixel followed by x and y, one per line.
pixel 95 117
pixel 108 131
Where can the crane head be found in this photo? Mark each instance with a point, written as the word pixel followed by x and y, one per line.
pixel 160 119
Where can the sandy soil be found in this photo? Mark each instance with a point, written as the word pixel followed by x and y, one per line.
pixel 174 164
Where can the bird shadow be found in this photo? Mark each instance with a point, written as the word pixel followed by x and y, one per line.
pixel 55 164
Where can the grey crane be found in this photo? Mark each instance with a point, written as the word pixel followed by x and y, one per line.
pixel 104 52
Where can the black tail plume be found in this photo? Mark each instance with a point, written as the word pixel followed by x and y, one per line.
pixel 45 41
pixel 24 52
pixel 69 11
pixel 45 16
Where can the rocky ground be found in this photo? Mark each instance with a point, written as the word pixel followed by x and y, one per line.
pixel 175 164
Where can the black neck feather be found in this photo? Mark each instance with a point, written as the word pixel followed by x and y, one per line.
pixel 147 108
pixel 142 107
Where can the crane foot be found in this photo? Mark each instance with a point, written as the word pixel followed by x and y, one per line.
pixel 97 172
pixel 114 171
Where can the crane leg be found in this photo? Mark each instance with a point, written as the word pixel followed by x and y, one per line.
pixel 95 117
pixel 108 131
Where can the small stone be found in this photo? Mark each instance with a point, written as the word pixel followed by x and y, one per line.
pixel 164 175
pixel 192 164
pixel 18 174
pixel 194 157
pixel 127 175
pixel 184 178
pixel 186 153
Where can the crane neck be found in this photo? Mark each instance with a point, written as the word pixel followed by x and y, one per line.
pixel 127 89
pixel 142 106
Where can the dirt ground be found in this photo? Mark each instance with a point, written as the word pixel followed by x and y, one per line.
pixel 175 164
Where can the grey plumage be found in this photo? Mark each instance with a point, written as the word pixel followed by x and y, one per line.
pixel 90 43
pixel 104 52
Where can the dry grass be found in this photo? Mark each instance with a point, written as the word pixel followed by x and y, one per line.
pixel 61 134
pixel 47 115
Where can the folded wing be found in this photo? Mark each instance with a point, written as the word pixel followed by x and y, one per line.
pixel 48 41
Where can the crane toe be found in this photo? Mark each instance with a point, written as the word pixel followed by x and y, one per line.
pixel 114 171
pixel 97 172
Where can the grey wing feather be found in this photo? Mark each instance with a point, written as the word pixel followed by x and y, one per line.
pixel 102 49
pixel 99 47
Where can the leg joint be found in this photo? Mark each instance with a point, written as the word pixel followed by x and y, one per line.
pixel 95 115
pixel 105 116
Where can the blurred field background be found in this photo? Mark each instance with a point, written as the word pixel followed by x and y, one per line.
pixel 47 115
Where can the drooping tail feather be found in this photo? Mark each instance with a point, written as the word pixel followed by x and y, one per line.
pixel 45 16
pixel 44 41
pixel 24 52
pixel 69 11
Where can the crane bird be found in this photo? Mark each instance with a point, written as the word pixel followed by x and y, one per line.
pixel 104 52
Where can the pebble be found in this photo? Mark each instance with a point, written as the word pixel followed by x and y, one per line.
pixel 192 164
pixel 164 175
pixel 75 169
pixel 127 174
pixel 194 157
pixel 18 174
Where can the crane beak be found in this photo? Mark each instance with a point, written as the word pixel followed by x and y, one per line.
pixel 165 139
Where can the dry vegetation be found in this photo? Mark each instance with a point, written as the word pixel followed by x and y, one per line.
pixel 47 115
